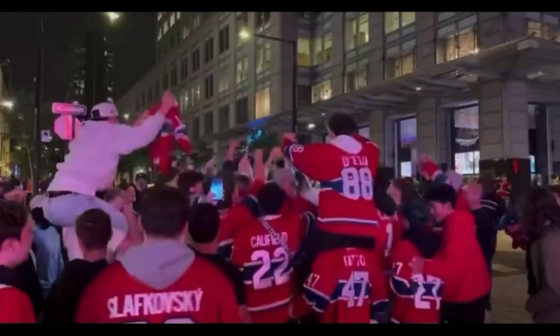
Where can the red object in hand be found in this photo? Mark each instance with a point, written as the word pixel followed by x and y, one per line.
pixel 429 167
pixel 173 130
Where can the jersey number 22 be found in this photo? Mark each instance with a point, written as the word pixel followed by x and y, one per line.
pixel 280 276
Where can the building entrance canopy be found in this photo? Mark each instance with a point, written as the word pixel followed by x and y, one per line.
pixel 528 59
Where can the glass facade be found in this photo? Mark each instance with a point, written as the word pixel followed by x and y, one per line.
pixel 465 147
pixel 406 147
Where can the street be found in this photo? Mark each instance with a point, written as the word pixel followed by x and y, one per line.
pixel 509 290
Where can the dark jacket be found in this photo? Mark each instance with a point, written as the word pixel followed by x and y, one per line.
pixel 24 277
pixel 64 297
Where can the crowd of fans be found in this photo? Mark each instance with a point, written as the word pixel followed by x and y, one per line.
pixel 303 237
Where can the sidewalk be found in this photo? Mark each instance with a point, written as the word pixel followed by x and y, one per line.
pixel 509 290
pixel 508 299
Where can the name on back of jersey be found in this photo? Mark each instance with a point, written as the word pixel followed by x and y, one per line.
pixel 355 161
pixel 267 240
pixel 146 304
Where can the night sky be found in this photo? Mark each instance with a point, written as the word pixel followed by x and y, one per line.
pixel 132 39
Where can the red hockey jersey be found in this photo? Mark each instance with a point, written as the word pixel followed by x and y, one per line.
pixel 392 231
pixel 345 169
pixel 201 295
pixel 266 266
pixel 173 130
pixel 15 306
pixel 347 286
pixel 417 297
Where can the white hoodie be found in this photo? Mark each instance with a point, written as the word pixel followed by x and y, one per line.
pixel 91 164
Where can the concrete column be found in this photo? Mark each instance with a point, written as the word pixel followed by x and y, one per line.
pixel 426 124
pixel 376 39
pixel 425 32
pixel 433 130
pixel 389 143
pixel 504 133
pixel 554 122
pixel 503 120
pixel 377 132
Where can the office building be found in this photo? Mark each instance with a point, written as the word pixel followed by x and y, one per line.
pixel 92 70
pixel 5 103
pixel 475 90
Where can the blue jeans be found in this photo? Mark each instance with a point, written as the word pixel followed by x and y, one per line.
pixel 64 210
pixel 48 255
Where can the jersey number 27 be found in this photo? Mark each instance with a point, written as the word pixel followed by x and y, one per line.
pixel 357 183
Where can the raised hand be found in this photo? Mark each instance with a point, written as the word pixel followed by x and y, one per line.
pixel 168 100
pixel 290 136
pixel 276 153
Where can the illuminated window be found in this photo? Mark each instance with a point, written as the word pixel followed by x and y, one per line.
pixel 195 94
pixel 457 40
pixel 165 26
pixel 262 100
pixel 322 48
pixel 242 22
pixel 178 14
pixel 263 57
pixel 356 75
pixel 172 20
pixel 321 91
pixel 400 60
pixel 304 52
pixel 397 20
pixel 357 30
pixel 159 16
pixel 543 25
pixel 242 70
pixel 159 34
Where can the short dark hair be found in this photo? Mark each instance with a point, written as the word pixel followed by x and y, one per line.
pixel 112 193
pixel 189 179
pixel 243 181
pixel 204 223
pixel 164 211
pixel 342 124
pixel 441 193
pixel 13 217
pixel 93 228
pixel 271 198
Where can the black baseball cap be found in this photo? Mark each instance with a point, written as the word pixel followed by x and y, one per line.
pixel 141 176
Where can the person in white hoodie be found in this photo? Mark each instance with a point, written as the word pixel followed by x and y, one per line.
pixel 91 164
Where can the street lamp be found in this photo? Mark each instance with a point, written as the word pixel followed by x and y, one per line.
pixel 245 35
pixel 7 104
pixel 112 16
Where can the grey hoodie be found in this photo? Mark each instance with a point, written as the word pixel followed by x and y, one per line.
pixel 158 263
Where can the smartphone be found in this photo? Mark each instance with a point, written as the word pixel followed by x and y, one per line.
pixel 217 189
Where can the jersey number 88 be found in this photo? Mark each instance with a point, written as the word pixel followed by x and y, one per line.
pixel 357 183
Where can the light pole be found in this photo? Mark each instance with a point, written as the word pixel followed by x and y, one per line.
pixel 38 103
pixel 245 35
